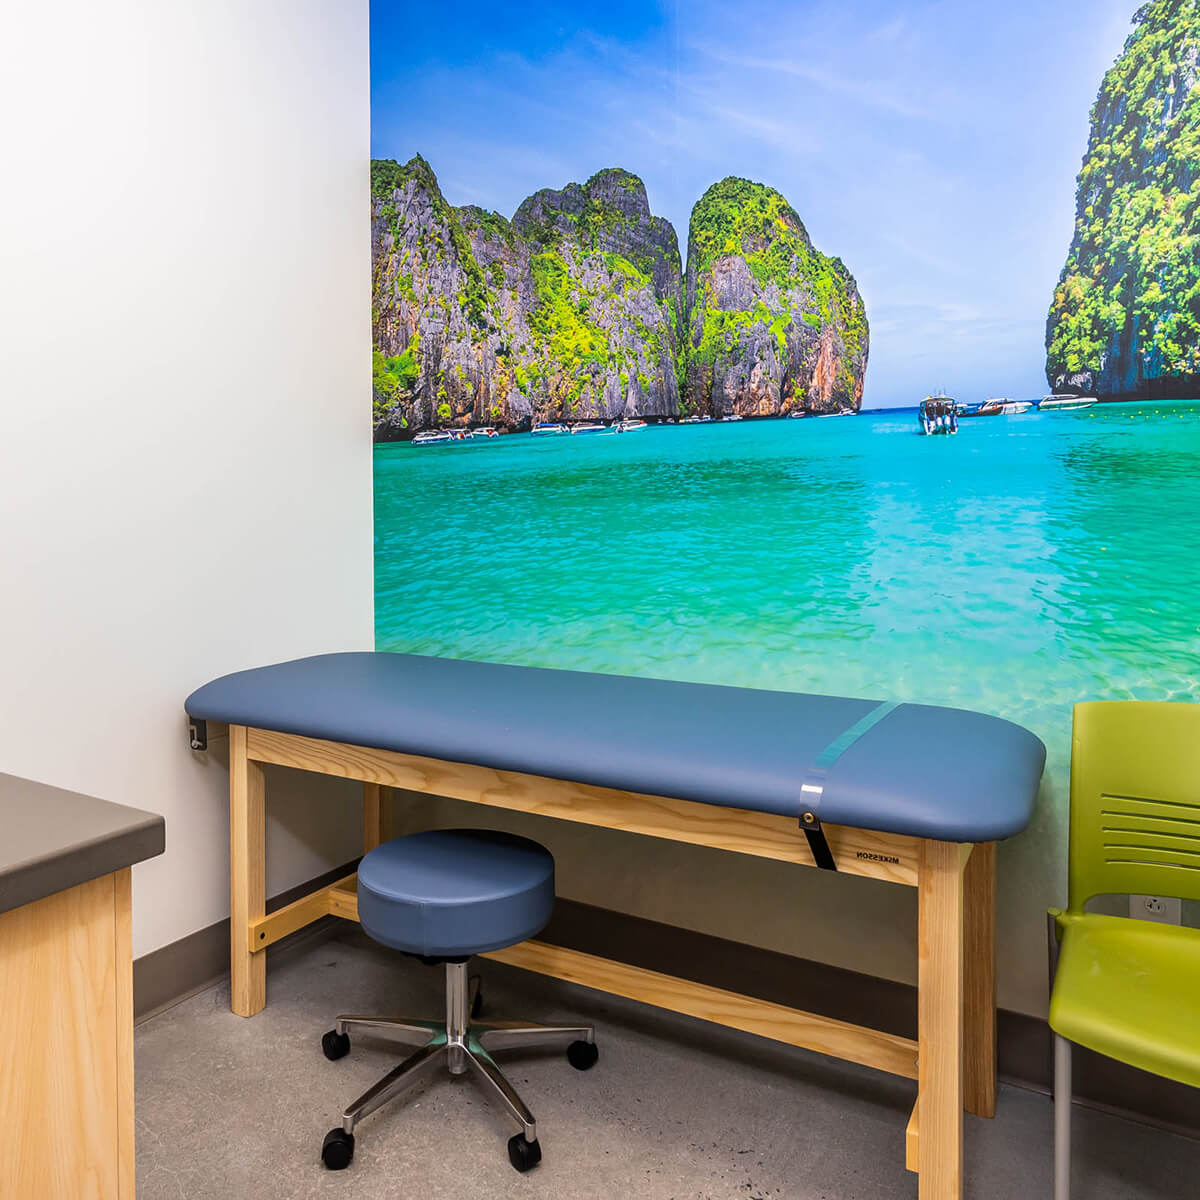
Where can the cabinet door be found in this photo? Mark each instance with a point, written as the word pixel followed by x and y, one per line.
pixel 65 1090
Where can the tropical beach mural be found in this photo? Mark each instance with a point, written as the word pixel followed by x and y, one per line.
pixel 623 273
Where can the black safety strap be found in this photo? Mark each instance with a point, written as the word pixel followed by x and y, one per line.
pixel 817 841
pixel 813 787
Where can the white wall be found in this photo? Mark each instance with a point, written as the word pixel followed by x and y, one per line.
pixel 185 463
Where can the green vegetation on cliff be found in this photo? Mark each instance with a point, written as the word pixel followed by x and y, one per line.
pixel 598 323
pixel 567 339
pixel 1127 306
pixel 739 217
pixel 392 376
pixel 386 176
pixel 785 285
pixel 587 213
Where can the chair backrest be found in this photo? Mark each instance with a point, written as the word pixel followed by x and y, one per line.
pixel 1135 800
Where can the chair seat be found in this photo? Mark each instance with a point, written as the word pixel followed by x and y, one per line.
pixel 1131 990
pixel 451 893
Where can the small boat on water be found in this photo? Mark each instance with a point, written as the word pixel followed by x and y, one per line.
pixel 433 437
pixel 695 420
pixel 630 426
pixel 988 408
pixel 997 406
pixel 1061 403
pixel 588 427
pixel 732 417
pixel 548 429
pixel 485 431
pixel 937 415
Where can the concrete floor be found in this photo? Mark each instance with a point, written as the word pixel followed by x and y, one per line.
pixel 674 1110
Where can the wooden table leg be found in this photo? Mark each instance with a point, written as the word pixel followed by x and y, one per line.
pixel 979 1018
pixel 372 805
pixel 247 875
pixel 940 1017
pixel 387 814
pixel 123 965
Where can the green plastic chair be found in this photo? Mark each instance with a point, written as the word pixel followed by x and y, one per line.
pixel 1128 989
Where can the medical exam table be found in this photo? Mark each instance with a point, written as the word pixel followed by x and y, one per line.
pixel 907 793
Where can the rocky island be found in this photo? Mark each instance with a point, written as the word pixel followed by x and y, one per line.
pixel 577 309
pixel 1125 318
pixel 774 326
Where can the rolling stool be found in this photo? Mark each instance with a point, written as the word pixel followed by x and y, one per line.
pixel 443 896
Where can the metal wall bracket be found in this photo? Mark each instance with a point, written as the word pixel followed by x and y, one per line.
pixel 198 732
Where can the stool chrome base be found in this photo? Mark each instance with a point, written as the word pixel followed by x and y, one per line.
pixel 459 1045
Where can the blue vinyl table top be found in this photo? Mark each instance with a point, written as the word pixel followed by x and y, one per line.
pixel 930 772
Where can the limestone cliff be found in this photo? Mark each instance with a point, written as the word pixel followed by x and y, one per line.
pixel 774 325
pixel 606 300
pixel 440 350
pixel 576 308
pixel 1125 318
pixel 569 311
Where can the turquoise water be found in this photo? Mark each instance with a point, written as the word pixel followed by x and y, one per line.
pixel 1027 563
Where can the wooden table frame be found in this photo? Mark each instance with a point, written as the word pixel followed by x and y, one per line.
pixel 953 1058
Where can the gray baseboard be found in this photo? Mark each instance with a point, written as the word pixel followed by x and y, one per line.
pixel 164 977
pixel 167 976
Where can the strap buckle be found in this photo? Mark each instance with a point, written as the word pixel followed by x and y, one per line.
pixel 817 841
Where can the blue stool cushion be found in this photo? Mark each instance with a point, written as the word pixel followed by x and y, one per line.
pixel 450 893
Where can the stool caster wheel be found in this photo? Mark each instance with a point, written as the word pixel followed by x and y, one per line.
pixel 523 1154
pixel 335 1045
pixel 582 1055
pixel 337 1149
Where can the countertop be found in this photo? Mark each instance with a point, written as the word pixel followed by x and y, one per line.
pixel 54 839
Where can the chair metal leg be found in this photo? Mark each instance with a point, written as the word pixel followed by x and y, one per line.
pixel 1062 1118
pixel 512 1035
pixel 403 1029
pixel 410 1072
pixel 455 1045
pixel 458 1016
pixel 497 1083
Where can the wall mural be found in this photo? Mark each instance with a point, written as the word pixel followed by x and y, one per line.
pixel 622 273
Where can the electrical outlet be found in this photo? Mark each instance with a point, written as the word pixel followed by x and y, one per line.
pixel 1164 909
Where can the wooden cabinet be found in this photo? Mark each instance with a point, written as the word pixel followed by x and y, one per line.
pixel 66 1012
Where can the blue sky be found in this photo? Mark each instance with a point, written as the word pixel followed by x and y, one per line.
pixel 933 146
